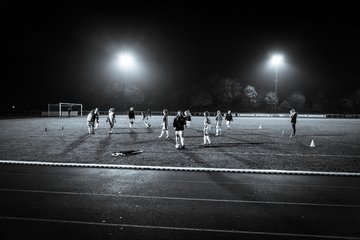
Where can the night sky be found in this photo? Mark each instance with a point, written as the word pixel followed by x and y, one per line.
pixel 66 53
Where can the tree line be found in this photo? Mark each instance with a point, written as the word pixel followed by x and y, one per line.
pixel 222 93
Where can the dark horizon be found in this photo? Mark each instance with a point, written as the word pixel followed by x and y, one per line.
pixel 66 53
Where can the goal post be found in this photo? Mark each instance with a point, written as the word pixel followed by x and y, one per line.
pixel 65 109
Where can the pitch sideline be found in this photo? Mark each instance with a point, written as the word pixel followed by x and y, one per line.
pixel 191 169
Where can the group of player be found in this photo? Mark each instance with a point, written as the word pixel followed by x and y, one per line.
pixel 181 121
pixel 93 119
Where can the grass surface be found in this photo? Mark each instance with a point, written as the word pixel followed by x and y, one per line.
pixel 246 146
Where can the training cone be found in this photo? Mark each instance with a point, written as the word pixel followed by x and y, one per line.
pixel 312 144
pixel 260 127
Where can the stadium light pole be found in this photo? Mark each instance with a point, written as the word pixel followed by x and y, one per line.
pixel 276 60
pixel 126 62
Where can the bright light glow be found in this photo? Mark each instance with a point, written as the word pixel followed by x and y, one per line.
pixel 126 61
pixel 276 59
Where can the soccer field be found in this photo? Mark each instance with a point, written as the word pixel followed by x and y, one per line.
pixel 245 146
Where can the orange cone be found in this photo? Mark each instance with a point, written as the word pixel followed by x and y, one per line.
pixel 312 144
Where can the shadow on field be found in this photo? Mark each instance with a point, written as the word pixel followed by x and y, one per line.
pixel 133 135
pixel 76 143
pixel 235 144
pixel 321 135
pixel 220 179
pixel 104 143
pixel 191 155
pixel 149 130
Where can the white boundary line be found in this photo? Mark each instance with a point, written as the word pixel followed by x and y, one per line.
pixel 198 169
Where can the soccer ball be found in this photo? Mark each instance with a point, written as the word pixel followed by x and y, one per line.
pixel 177 145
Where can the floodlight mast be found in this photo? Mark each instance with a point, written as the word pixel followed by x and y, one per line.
pixel 127 63
pixel 276 60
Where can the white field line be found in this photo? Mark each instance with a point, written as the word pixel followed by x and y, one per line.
pixel 199 169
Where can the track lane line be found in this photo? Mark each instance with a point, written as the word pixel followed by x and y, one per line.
pixel 182 198
pixel 176 228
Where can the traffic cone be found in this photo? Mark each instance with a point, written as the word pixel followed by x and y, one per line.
pixel 260 127
pixel 312 144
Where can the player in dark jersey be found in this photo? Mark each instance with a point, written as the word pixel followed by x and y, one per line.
pixel 293 117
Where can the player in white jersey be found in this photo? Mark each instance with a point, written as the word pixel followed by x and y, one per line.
pixel 111 119
pixel 187 118
pixel 164 124
pixel 207 127
pixel 218 119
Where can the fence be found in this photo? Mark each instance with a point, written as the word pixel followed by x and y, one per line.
pixel 34 113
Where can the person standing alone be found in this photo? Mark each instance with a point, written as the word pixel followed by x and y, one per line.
pixel 293 117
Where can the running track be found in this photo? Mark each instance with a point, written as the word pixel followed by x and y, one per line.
pixel 59 202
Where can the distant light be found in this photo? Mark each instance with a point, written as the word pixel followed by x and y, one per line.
pixel 277 59
pixel 13 107
pixel 126 61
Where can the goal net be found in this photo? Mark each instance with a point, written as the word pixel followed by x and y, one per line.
pixel 65 109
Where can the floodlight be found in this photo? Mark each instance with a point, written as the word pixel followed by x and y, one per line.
pixel 277 59
pixel 126 61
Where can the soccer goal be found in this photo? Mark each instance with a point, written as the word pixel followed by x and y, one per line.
pixel 65 109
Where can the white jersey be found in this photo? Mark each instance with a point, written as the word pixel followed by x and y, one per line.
pixel 111 116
